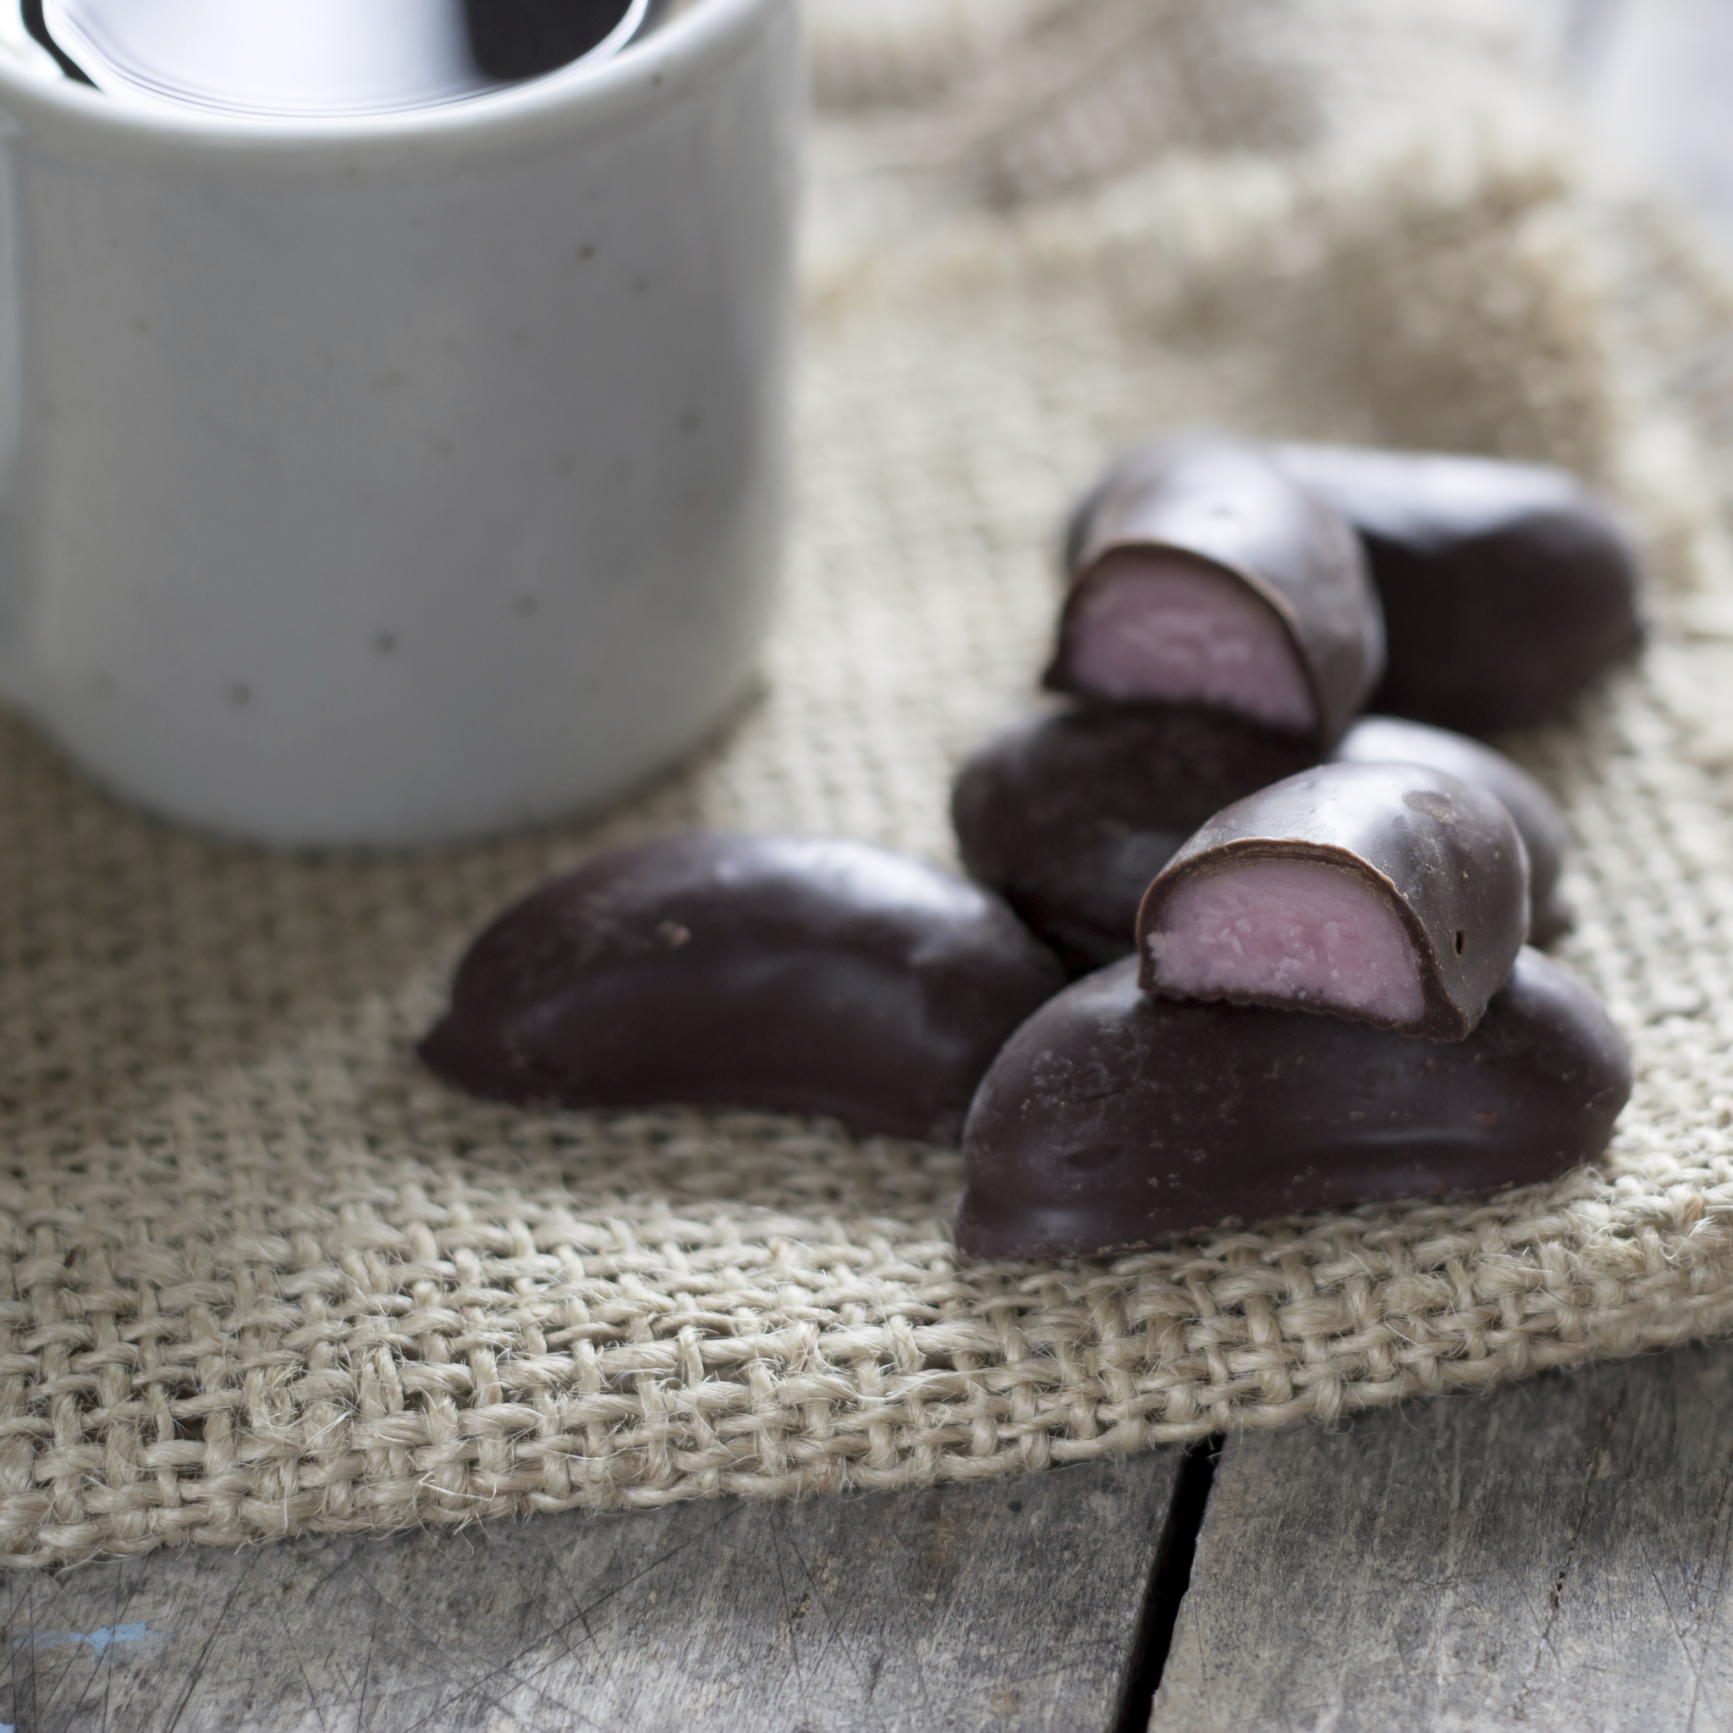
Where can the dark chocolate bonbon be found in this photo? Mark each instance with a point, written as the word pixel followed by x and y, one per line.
pixel 1389 739
pixel 1391 893
pixel 1508 589
pixel 1070 813
pixel 794 974
pixel 1202 574
pixel 1113 1120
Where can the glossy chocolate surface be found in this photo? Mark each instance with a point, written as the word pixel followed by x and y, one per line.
pixel 1226 508
pixel 1113 1120
pixel 1389 739
pixel 1069 814
pixel 1508 589
pixel 793 974
pixel 1444 857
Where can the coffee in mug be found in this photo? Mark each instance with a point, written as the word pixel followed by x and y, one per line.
pixel 324 57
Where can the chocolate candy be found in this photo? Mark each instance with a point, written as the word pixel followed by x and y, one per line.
pixel 1386 740
pixel 1113 1120
pixel 795 974
pixel 1390 893
pixel 1202 574
pixel 1507 588
pixel 1069 814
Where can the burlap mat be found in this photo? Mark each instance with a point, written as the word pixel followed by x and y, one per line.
pixel 263 1275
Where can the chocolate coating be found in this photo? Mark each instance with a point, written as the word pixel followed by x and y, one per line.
pixel 1388 740
pixel 1113 1120
pixel 1444 857
pixel 1508 589
pixel 794 974
pixel 1069 814
pixel 1227 508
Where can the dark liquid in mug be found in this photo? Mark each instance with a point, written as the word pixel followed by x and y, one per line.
pixel 319 57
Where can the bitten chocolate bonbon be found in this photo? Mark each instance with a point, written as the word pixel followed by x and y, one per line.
pixel 1113 1120
pixel 1508 589
pixel 793 974
pixel 1201 574
pixel 1389 739
pixel 1391 893
pixel 1069 814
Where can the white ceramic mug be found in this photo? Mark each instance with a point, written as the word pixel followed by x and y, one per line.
pixel 400 478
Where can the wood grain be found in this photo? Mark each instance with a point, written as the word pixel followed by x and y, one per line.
pixel 1012 1604
pixel 1553 1556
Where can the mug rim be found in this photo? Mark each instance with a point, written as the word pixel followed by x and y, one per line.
pixel 693 36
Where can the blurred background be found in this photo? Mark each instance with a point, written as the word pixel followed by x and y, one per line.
pixel 1652 77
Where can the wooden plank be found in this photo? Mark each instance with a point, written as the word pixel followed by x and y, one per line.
pixel 1553 1556
pixel 1010 1604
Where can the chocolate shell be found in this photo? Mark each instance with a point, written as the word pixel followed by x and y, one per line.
pixel 1508 589
pixel 1389 893
pixel 793 974
pixel 1389 740
pixel 1201 574
pixel 1113 1121
pixel 1070 813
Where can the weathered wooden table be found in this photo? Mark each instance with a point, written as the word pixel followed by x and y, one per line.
pixel 1553 1556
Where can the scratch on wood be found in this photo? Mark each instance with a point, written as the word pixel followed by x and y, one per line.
pixel 1597 1469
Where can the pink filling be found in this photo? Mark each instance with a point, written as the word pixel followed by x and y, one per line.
pixel 1282 929
pixel 1157 628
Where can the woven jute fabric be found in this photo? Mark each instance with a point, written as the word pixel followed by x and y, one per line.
pixel 263 1275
